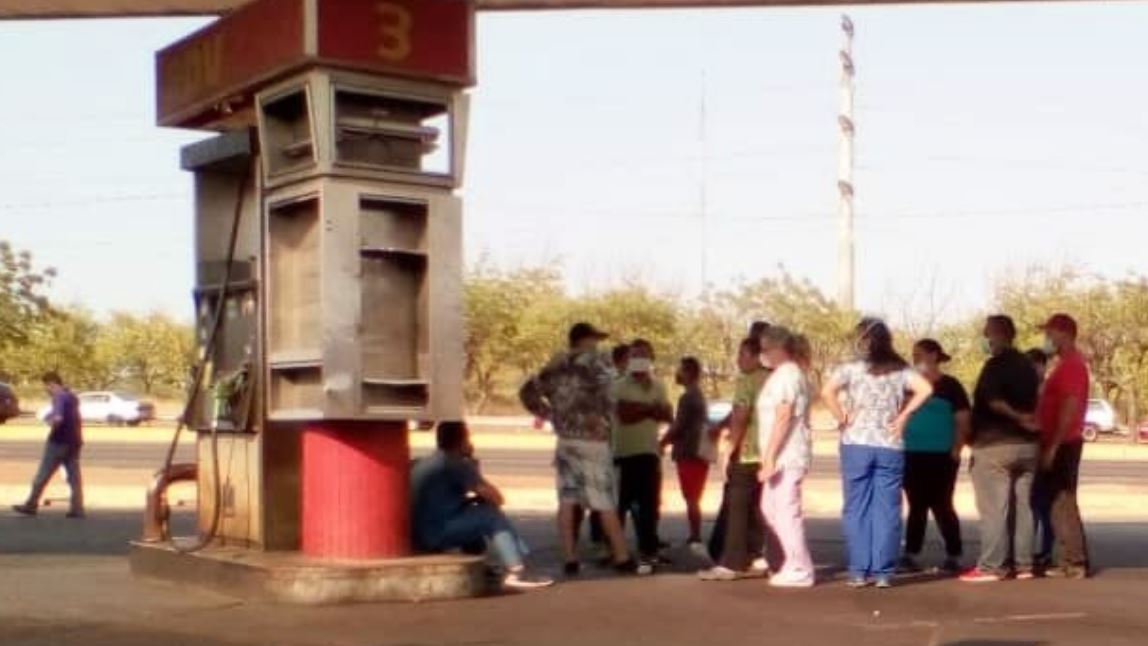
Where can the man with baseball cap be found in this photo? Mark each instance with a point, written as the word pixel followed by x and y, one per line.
pixel 1060 416
pixel 572 392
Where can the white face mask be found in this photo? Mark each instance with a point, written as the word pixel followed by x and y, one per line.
pixel 639 365
pixel 922 367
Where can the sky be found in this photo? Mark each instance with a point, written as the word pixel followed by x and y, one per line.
pixel 664 147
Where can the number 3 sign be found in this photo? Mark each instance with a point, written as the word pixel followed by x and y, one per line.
pixel 421 38
pixel 395 31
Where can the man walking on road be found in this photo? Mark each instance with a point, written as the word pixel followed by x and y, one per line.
pixel 1005 451
pixel 62 449
pixel 573 393
pixel 1060 414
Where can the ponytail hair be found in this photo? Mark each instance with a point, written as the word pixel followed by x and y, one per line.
pixel 881 357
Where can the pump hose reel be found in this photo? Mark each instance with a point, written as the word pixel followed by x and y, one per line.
pixel 155 520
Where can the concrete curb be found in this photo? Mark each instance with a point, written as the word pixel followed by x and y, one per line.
pixel 287 578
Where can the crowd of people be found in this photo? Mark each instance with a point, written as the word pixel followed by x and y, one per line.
pixel 903 428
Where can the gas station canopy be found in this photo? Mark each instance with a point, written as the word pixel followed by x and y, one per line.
pixel 98 8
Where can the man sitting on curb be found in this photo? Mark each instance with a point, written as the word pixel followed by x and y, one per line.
pixel 454 507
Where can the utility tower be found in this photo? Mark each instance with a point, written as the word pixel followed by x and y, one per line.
pixel 845 250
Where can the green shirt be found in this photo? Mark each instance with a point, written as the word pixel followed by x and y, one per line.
pixel 640 438
pixel 745 394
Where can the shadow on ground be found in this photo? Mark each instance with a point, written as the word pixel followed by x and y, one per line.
pixel 993 643
pixel 18 631
pixel 1113 546
pixel 102 533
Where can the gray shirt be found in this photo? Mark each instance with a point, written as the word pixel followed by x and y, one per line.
pixel 689 427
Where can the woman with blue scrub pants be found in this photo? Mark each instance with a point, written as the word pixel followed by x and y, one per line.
pixel 881 391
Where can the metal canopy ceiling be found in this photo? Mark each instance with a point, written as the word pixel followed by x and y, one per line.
pixel 99 8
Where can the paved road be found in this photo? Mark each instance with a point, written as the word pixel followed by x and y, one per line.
pixel 507 463
pixel 65 583
pixel 114 455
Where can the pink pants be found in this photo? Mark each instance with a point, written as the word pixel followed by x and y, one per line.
pixel 781 505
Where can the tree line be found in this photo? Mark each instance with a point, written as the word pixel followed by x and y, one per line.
pixel 517 318
pixel 150 354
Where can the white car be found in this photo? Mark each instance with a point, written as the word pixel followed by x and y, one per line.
pixel 115 408
pixel 1099 418
pixel 718 411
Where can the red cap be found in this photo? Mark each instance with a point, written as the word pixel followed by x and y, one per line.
pixel 1061 323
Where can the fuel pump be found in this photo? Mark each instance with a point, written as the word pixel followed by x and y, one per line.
pixel 328 272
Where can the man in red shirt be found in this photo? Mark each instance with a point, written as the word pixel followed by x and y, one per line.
pixel 1060 415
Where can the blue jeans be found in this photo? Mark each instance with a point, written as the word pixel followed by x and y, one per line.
pixel 483 524
pixel 56 456
pixel 872 517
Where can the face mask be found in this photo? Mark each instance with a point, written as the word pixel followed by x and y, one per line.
pixel 639 366
pixel 986 347
pixel 766 362
pixel 1049 346
pixel 922 367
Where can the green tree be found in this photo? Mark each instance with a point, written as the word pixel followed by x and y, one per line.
pixel 633 312
pixel 153 351
pixel 1113 320
pixel 710 332
pixel 64 341
pixel 803 308
pixel 510 325
pixel 22 301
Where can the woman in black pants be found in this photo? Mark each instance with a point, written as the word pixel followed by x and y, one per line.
pixel 934 438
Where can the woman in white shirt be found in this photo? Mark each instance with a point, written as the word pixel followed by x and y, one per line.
pixel 786 444
pixel 872 423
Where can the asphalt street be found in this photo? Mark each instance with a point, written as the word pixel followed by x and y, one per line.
pixel 496 462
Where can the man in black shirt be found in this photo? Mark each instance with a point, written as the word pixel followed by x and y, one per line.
pixel 1005 451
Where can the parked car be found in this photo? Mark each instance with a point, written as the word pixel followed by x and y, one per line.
pixel 115 408
pixel 1099 419
pixel 9 403
pixel 1142 431
pixel 718 411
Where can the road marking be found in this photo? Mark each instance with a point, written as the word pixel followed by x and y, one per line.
pixel 910 625
pixel 1056 616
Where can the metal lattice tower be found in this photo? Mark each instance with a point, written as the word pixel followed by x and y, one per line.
pixel 845 251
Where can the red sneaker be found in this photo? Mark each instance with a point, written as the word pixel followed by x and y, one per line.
pixel 977 575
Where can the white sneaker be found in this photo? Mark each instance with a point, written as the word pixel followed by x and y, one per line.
pixel 759 567
pixel 791 580
pixel 645 568
pixel 720 573
pixel 521 580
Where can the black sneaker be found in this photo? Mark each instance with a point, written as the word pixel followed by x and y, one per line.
pixel 24 510
pixel 908 565
pixel 76 515
pixel 629 566
pixel 572 569
pixel 952 566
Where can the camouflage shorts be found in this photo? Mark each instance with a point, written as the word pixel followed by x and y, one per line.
pixel 586 474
